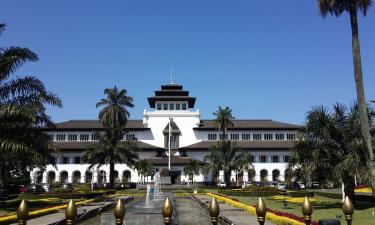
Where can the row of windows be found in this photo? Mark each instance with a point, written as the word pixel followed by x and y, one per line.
pixel 84 137
pixel 67 160
pixel 254 136
pixel 171 106
pixel 273 159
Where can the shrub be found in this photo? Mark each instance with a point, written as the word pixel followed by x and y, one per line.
pixel 300 194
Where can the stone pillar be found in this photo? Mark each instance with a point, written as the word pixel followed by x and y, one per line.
pixel 95 177
pixel 44 180
pixel 83 176
pixel 245 175
pixel 70 178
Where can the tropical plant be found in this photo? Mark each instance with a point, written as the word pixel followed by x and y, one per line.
pixel 223 120
pixel 114 113
pixel 192 168
pixel 337 7
pixel 331 147
pixel 23 145
pixel 144 168
pixel 227 156
pixel 111 149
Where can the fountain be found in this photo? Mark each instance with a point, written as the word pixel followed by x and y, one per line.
pixel 148 203
pixel 157 187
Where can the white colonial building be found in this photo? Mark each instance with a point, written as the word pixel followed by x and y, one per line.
pixel 268 141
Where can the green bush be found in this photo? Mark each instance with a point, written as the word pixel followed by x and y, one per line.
pixel 300 194
pixel 363 198
pixel 86 188
pixel 247 193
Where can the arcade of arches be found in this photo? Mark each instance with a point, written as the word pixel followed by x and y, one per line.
pixel 77 177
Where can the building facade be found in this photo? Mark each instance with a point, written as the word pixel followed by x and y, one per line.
pixel 171 114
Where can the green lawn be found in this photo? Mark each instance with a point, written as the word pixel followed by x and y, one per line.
pixel 327 209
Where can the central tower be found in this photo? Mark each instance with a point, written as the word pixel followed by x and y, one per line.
pixel 172 104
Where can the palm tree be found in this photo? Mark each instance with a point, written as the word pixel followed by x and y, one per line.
pixel 111 150
pixel 337 7
pixel 331 147
pixel 144 168
pixel 114 113
pixel 227 156
pixel 23 146
pixel 223 120
pixel 192 168
pixel 113 118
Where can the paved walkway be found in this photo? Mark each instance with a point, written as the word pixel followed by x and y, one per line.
pixel 82 211
pixel 236 215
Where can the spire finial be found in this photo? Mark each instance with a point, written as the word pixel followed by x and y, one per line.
pixel 172 73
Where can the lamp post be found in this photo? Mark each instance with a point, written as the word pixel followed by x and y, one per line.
pixel 214 211
pixel 261 211
pixel 167 211
pixel 71 213
pixel 307 211
pixel 119 212
pixel 22 213
pixel 348 210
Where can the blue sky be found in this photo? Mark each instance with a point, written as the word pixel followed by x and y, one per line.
pixel 264 59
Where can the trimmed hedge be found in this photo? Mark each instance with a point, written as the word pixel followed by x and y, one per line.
pixel 248 193
pixel 300 194
pixel 363 198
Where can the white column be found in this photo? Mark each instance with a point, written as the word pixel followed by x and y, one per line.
pixel 44 180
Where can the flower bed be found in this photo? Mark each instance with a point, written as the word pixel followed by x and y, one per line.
pixel 41 212
pixel 292 200
pixel 277 217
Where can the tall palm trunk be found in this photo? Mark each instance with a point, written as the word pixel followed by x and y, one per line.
pixel 349 187
pixel 365 126
pixel 227 175
pixel 111 174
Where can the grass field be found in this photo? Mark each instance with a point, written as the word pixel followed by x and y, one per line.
pixel 324 208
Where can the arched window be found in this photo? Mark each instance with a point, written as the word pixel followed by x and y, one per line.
pixel 64 177
pixel 88 177
pixel 76 177
pixel 51 177
pixel 263 175
pixel 126 176
pixel 275 175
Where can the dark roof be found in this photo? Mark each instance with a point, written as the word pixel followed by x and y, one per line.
pixel 204 145
pixel 174 128
pixel 81 145
pixel 250 125
pixel 171 92
pixel 175 160
pixel 94 125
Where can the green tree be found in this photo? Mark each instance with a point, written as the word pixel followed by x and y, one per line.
pixel 114 113
pixel 227 156
pixel 337 7
pixel 331 147
pixel 23 145
pixel 111 149
pixel 223 119
pixel 144 168
pixel 192 168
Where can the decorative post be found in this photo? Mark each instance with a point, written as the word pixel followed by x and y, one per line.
pixel 307 211
pixel 167 211
pixel 119 212
pixel 71 213
pixel 22 213
pixel 261 211
pixel 348 210
pixel 214 211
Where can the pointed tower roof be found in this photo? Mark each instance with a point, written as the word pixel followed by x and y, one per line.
pixel 171 92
